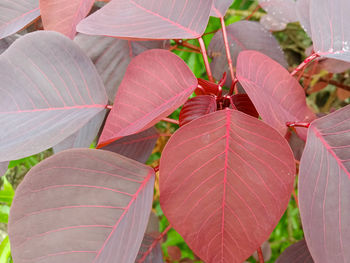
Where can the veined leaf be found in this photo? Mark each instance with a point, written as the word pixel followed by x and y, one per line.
pixel 296 253
pixel 219 7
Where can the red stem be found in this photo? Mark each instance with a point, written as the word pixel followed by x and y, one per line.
pixel 171 121
pixel 156 169
pixel 205 58
pixel 253 12
pixel 295 197
pixel 298 124
pixel 260 255
pixel 109 107
pixel 228 55
pixel 304 63
pixel 155 242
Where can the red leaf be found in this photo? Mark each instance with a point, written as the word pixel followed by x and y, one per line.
pixel 138 146
pixel 112 56
pixel 330 28
pixel 49 89
pixel 145 19
pixel 243 103
pixel 16 14
pixel 219 7
pixel 296 253
pixel 225 181
pixel 324 187
pixel 155 84
pixel 277 95
pixel 81 206
pixel 197 107
pixel 64 15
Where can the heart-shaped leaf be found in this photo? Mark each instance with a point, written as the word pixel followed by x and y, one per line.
pixel 16 14
pixel 242 35
pixel 330 28
pixel 49 89
pixel 296 253
pixel 64 15
pixel 277 95
pixel 138 146
pixel 111 56
pixel 81 206
pixel 324 187
pixel 145 19
pixel 155 84
pixel 225 181
pixel 197 107
pixel 243 103
pixel 3 168
pixel 219 7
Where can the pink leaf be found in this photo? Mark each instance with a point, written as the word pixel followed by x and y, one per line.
pixel 111 56
pixel 138 146
pixel 155 84
pixel 197 107
pixel 296 253
pixel 16 14
pixel 277 96
pixel 64 15
pixel 272 24
pixel 81 206
pixel 149 19
pixel 303 14
pixel 330 28
pixel 242 35
pixel 324 187
pixel 243 103
pixel 281 10
pixel 219 7
pixel 3 168
pixel 225 181
pixel 49 89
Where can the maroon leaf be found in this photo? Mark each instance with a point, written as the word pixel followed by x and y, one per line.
pixel 296 253
pixel 149 19
pixel 243 103
pixel 151 235
pixel 225 181
pixel 81 206
pixel 242 35
pixel 334 65
pixel 324 187
pixel 330 29
pixel 16 14
pixel 85 136
pixel 111 56
pixel 155 84
pixel 138 146
pixel 3 168
pixel 64 15
pixel 277 96
pixel 49 89
pixel 197 107
pixel 219 7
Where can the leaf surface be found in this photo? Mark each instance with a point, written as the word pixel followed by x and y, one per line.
pixel 49 90
pixel 242 35
pixel 81 206
pixel 155 84
pixel 138 146
pixel 330 29
pixel 149 19
pixel 16 14
pixel 219 7
pixel 282 10
pixel 243 103
pixel 64 15
pixel 296 253
pixel 277 96
pixel 225 181
pixel 112 56
pixel 3 168
pixel 324 187
pixel 6 42
pixel 303 14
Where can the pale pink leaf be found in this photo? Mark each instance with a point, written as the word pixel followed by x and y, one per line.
pixel 281 10
pixel 149 19
pixel 272 24
pixel 49 89
pixel 81 206
pixel 225 181
pixel 64 15
pixel 277 96
pixel 324 187
pixel 16 14
pixel 219 7
pixel 155 84
pixel 296 253
pixel 3 168
pixel 303 14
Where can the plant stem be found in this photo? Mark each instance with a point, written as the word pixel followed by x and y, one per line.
pixel 260 255
pixel 205 59
pixel 228 54
pixel 188 45
pixel 298 124
pixel 305 63
pixel 253 12
pixel 156 169
pixel 171 121
pixel 155 242
pixel 109 107
pixel 295 197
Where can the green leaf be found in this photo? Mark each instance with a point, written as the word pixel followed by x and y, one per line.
pixel 4 213
pixel 6 193
pixel 5 251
